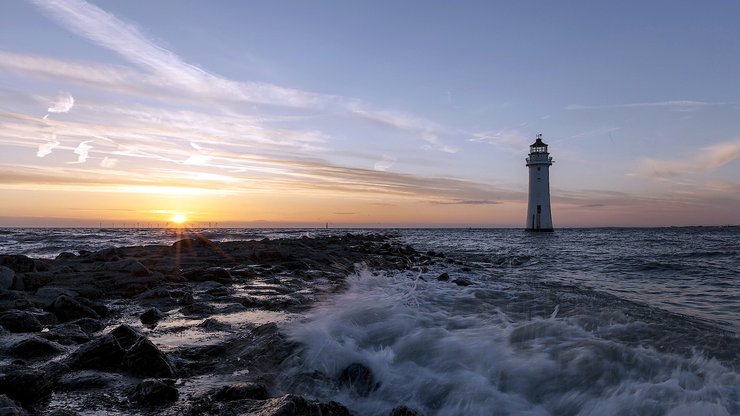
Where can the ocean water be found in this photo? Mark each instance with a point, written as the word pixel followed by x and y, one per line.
pixel 575 322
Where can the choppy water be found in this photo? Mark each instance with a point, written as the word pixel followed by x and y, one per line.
pixel 577 322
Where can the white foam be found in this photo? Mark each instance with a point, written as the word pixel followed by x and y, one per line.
pixel 443 350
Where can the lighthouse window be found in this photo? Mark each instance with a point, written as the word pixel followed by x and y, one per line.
pixel 538 169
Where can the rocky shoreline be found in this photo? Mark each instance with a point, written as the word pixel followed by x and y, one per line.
pixel 186 329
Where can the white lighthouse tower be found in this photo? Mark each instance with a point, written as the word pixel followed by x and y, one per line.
pixel 539 216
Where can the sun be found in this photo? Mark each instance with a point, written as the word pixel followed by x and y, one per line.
pixel 178 218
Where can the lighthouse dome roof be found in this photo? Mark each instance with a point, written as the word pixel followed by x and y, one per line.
pixel 538 143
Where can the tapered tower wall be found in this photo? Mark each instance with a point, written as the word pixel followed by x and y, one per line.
pixel 539 213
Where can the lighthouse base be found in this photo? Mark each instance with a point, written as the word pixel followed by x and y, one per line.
pixel 539 230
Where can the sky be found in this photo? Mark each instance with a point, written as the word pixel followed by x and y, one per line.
pixel 373 113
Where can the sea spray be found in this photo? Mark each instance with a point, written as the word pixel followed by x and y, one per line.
pixel 447 350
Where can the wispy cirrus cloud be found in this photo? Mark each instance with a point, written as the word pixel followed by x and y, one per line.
pixel 63 104
pixel 674 104
pixel 705 160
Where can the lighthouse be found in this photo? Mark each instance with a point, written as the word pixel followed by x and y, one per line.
pixel 539 216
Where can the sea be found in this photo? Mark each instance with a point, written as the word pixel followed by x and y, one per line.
pixel 582 321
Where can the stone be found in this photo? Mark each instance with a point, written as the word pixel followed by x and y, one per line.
pixel 291 405
pixel 18 263
pixel 403 411
pixel 443 277
pixel 462 282
pixel 20 321
pixel 35 347
pixel 103 353
pixel 67 334
pixel 7 276
pixel 144 359
pixel 358 378
pixel 29 387
pixel 67 308
pixel 86 379
pixel 89 325
pixel 151 316
pixel 240 391
pixel 216 274
pixel 62 412
pixel 49 293
pixel 65 255
pixel 13 299
pixel 153 392
pixel 130 266
pixel 9 407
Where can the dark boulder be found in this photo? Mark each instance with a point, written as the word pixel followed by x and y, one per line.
pixel 67 308
pixel 144 359
pixel 20 321
pixel 403 411
pixel 67 334
pixel 216 274
pixel 9 407
pixel 358 378
pixel 7 276
pixel 85 380
pixel 290 405
pixel 103 353
pixel 240 391
pixel 89 325
pixel 462 282
pixel 126 335
pixel 65 255
pixel 151 316
pixel 35 347
pixel 29 387
pixel 18 263
pixel 443 277
pixel 153 392
pixel 12 299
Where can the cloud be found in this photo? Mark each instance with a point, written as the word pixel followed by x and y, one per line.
pixel 82 151
pixel 63 104
pixel 466 202
pixel 385 163
pixel 676 104
pixel 46 148
pixel 706 159
pixel 512 140
pixel 108 162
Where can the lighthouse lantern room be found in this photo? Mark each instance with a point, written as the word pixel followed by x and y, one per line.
pixel 539 215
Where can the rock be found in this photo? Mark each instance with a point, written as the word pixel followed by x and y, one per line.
pixel 239 391
pixel 67 334
pixel 403 411
pixel 151 316
pixel 18 263
pixel 130 266
pixel 12 299
pixel 462 282
pixel 7 276
pixel 20 321
pixel 35 347
pixel 103 353
pixel 216 274
pixel 213 324
pixel 62 412
pixel 66 255
pixel 9 407
pixel 153 392
pixel 49 293
pixel 290 405
pixel 30 387
pixel 358 378
pixel 443 277
pixel 126 336
pixel 84 380
pixel 89 325
pixel 144 359
pixel 67 308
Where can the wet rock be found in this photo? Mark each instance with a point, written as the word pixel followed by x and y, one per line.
pixel 103 353
pixel 216 274
pixel 126 335
pixel 151 316
pixel 30 387
pixel 198 309
pixel 89 325
pixel 155 293
pixel 462 282
pixel 240 391
pixel 65 255
pixel 130 266
pixel 268 256
pixel 290 405
pixel 153 392
pixel 48 294
pixel 7 276
pixel 20 321
pixel 443 277
pixel 18 263
pixel 144 359
pixel 12 299
pixel 213 324
pixel 67 334
pixel 62 412
pixel 403 411
pixel 86 379
pixel 67 308
pixel 358 378
pixel 35 347
pixel 9 407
